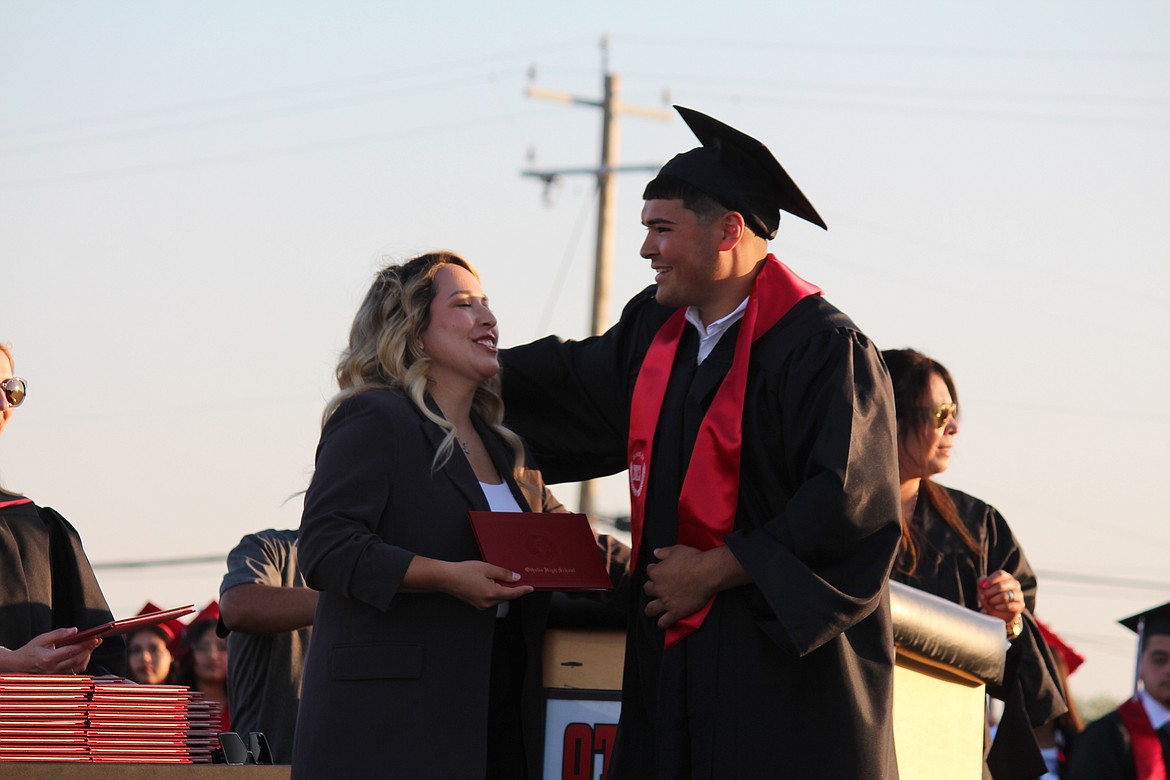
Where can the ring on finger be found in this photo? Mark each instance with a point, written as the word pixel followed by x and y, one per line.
pixel 1011 595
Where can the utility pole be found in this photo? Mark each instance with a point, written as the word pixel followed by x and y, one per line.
pixel 611 108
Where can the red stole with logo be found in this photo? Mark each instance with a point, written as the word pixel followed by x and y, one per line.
pixel 710 491
pixel 1147 748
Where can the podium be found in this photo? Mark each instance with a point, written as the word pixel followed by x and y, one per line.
pixel 946 656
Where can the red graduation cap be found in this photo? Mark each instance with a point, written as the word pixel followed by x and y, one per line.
pixel 171 630
pixel 210 612
pixel 1072 659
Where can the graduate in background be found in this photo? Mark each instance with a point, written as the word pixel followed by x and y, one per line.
pixel 152 650
pixel 1133 741
pixel 204 661
pixel 757 425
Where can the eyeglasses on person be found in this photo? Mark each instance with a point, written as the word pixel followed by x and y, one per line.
pixel 15 390
pixel 232 749
pixel 943 412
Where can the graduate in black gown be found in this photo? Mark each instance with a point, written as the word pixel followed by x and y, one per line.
pixel 756 423
pixel 960 548
pixel 1133 741
pixel 47 588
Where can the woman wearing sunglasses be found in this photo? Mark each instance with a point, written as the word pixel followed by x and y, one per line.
pixel 47 587
pixel 425 661
pixel 960 548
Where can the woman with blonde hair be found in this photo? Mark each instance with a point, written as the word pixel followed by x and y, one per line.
pixel 425 660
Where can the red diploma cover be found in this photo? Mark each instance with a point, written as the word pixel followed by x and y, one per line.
pixel 127 625
pixel 549 550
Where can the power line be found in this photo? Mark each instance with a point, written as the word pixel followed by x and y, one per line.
pixel 257 113
pixel 946 51
pixel 254 155
pixel 160 562
pixel 1079 578
pixel 412 73
pixel 566 261
pixel 882 93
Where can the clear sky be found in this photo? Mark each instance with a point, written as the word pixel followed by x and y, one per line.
pixel 194 197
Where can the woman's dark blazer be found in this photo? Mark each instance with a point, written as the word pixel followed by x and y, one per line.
pixel 396 683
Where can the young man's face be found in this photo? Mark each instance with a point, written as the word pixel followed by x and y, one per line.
pixel 1155 668
pixel 683 252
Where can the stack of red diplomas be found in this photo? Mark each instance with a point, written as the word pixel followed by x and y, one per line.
pixel 103 719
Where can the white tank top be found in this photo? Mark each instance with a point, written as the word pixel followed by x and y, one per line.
pixel 500 499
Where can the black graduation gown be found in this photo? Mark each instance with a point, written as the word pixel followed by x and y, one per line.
pixel 792 675
pixel 1104 751
pixel 946 567
pixel 46 582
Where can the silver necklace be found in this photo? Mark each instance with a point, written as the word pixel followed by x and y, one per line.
pixel 463 444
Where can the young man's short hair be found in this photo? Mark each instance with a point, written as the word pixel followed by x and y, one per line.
pixel 705 208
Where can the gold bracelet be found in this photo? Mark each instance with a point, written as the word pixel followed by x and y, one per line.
pixel 1014 628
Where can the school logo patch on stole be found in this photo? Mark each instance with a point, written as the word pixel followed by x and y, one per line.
pixel 637 473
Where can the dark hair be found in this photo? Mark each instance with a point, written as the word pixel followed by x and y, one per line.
pixel 706 208
pixel 191 637
pixel 1155 626
pixel 910 373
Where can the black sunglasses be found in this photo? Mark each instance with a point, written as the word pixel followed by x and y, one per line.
pixel 232 749
pixel 15 389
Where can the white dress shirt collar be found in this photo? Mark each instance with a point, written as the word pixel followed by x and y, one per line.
pixel 1157 713
pixel 709 336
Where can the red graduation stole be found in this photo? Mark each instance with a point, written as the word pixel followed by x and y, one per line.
pixel 710 491
pixel 1147 748
pixel 15 502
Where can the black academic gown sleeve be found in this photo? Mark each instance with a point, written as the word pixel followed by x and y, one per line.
pixel 570 399
pixel 818 492
pixel 47 582
pixel 1103 752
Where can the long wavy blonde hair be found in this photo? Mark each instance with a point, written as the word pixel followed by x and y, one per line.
pixel 385 350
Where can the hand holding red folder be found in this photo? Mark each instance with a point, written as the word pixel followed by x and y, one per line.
pixel 127 625
pixel 549 550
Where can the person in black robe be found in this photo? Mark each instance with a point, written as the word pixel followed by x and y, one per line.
pixel 47 588
pixel 960 548
pixel 790 673
pixel 1133 741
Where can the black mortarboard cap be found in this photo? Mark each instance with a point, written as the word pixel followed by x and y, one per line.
pixel 1157 620
pixel 740 173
